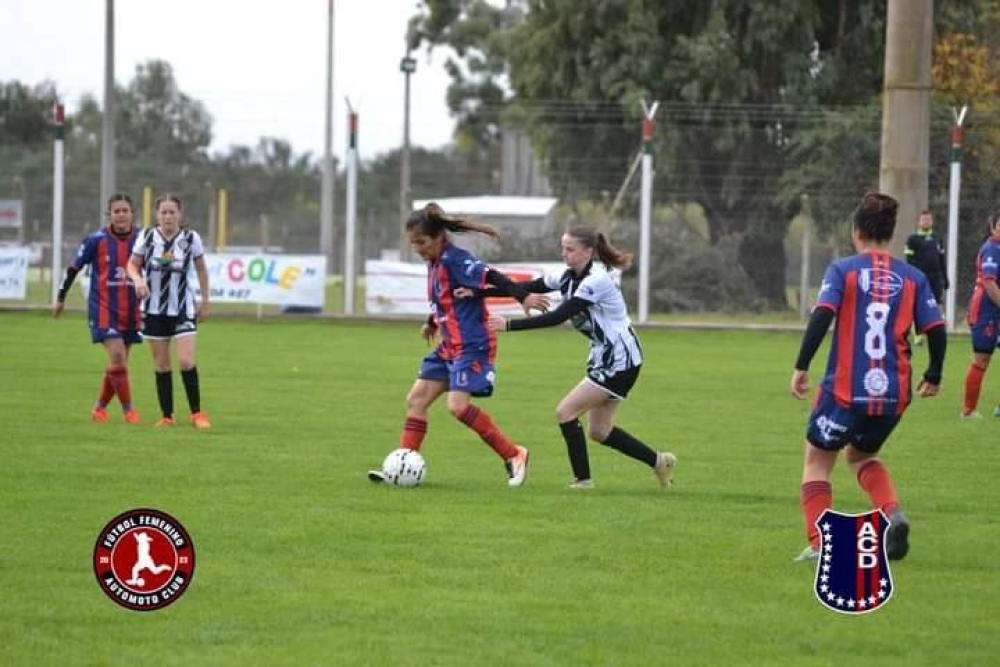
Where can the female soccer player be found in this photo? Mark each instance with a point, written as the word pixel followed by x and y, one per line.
pixel 983 317
pixel 112 307
pixel 160 267
pixel 461 366
pixel 876 299
pixel 593 303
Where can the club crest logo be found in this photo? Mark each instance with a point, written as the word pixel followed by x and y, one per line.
pixel 144 559
pixel 852 572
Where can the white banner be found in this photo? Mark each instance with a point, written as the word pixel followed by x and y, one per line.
pixel 401 287
pixel 11 213
pixel 14 272
pixel 281 280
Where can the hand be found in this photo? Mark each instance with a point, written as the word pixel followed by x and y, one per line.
pixel 57 309
pixel 428 332
pixel 203 310
pixel 497 323
pixel 799 384
pixel 141 289
pixel 925 389
pixel 538 302
pixel 463 293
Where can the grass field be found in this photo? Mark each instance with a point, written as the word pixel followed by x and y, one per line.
pixel 301 561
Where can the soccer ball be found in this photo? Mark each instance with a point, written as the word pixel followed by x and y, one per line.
pixel 404 467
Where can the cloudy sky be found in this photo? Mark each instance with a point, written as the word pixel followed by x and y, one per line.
pixel 258 66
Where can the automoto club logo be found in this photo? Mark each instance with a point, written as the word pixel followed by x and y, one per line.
pixel 144 559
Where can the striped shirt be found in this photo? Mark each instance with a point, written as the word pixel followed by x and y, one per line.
pixel 167 264
pixel 877 300
pixel 111 300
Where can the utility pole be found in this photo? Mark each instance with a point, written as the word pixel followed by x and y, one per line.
pixel 906 110
pixel 646 208
pixel 408 65
pixel 108 119
pixel 327 193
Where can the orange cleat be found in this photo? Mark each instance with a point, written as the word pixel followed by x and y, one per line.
pixel 164 421
pixel 200 420
pixel 99 414
pixel 131 416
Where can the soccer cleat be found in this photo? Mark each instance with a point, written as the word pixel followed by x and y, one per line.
pixel 99 414
pixel 376 476
pixel 666 465
pixel 200 420
pixel 164 421
pixel 996 411
pixel 131 416
pixel 969 416
pixel 808 555
pixel 897 538
pixel 517 467
pixel 582 484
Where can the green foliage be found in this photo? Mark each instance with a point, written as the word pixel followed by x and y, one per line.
pixel 302 561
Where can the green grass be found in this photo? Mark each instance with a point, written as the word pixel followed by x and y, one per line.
pixel 301 561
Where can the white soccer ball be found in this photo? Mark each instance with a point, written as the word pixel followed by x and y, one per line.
pixel 404 467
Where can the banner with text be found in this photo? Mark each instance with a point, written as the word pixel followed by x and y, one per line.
pixel 401 287
pixel 14 272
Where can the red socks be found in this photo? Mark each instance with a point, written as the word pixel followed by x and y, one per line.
pixel 414 430
pixel 481 423
pixel 815 498
pixel 874 479
pixel 973 385
pixel 118 377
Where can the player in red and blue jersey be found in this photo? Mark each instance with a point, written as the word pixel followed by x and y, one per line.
pixel 112 306
pixel 462 364
pixel 876 299
pixel 983 317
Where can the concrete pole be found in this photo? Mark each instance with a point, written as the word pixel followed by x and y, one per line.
pixel 327 193
pixel 108 118
pixel 906 111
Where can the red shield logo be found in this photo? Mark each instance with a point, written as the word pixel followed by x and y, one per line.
pixel 144 559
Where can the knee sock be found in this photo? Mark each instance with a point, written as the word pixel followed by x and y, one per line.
pixel 815 498
pixel 973 385
pixel 165 392
pixel 107 390
pixel 875 480
pixel 628 445
pixel 576 447
pixel 414 431
pixel 481 423
pixel 191 388
pixel 119 380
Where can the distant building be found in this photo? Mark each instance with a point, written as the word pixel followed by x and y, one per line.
pixel 526 217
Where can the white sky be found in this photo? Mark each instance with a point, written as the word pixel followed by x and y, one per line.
pixel 259 66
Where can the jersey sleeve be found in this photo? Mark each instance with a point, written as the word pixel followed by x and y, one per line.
pixel 141 240
pixel 85 253
pixel 989 267
pixel 831 290
pixel 466 270
pixel 595 288
pixel 926 314
pixel 552 280
pixel 197 247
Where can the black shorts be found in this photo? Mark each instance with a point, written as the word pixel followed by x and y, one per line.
pixel 619 384
pixel 165 327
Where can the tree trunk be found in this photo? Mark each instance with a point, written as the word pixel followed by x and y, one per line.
pixel 763 258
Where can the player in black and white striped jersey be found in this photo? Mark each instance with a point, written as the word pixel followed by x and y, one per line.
pixel 161 268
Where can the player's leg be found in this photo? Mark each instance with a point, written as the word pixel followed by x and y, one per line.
pixel 974 381
pixel 601 428
pixel 874 478
pixel 158 331
pixel 117 373
pixel 422 394
pixel 578 401
pixel 829 430
pixel 186 345
pixel 99 412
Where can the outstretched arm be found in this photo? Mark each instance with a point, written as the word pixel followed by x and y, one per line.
pixel 566 310
pixel 819 322
pixel 937 343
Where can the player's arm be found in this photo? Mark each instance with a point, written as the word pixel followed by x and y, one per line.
pixel 566 310
pixel 992 289
pixel 819 323
pixel 60 304
pixel 937 344
pixel 201 270
pixel 536 286
pixel 944 267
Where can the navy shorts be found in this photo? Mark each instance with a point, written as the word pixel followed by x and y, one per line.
pixel 984 336
pixel 472 372
pixel 833 427
pixel 128 336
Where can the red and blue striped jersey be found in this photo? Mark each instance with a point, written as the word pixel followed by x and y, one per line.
pixel 981 306
pixel 877 299
pixel 462 323
pixel 111 302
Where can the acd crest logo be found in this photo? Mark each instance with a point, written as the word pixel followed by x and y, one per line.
pixel 852 573
pixel 144 559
